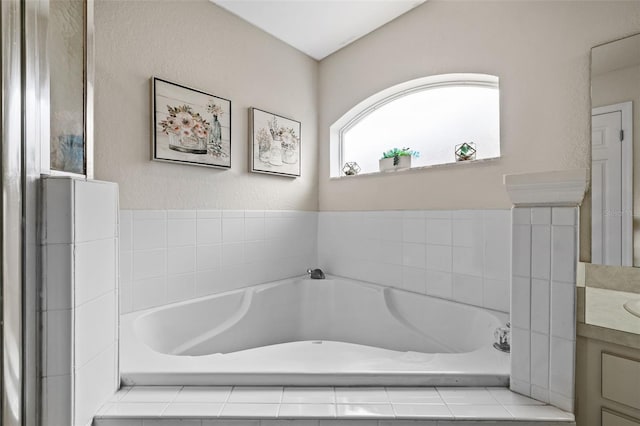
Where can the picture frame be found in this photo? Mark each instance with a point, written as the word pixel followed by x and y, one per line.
pixel 190 126
pixel 275 144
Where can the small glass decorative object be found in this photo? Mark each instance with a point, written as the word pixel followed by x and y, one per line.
pixel 351 168
pixel 465 151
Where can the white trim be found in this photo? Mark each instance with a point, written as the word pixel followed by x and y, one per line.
pixel 370 104
pixel 552 188
pixel 626 110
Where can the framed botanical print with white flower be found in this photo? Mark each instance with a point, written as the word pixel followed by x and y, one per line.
pixel 190 126
pixel 275 144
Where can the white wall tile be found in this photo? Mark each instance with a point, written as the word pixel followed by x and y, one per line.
pixel 94 384
pixel 56 400
pixel 58 215
pixel 563 320
pixel 521 215
pixel 413 255
pixel 519 386
pixel 521 250
pixel 561 367
pixel 95 329
pixel 467 289
pixel 439 231
pixel 58 276
pixel 540 360
pixel 208 214
pixel 520 354
pixel 58 343
pixel 439 284
pixel 254 251
pixel 181 232
pixel 232 254
pixel 390 227
pixel 149 215
pixel 149 293
pixel 497 245
pixel 414 279
pixel 439 258
pixel 125 267
pixel 254 228
pixel 149 264
pixel 565 216
pixel 468 260
pixel 96 210
pixel 181 287
pixel 208 231
pixel 391 252
pixel 413 230
pixel 521 302
pixel 95 269
pixel 208 256
pixel 232 229
pixel 540 393
pixel 541 251
pixel 564 254
pixel 181 214
pixel 541 216
pixel 125 293
pixel 438 214
pixel 540 306
pixel 125 233
pixel 496 294
pixel 181 260
pixel 149 234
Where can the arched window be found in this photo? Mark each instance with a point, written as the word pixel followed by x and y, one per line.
pixel 432 115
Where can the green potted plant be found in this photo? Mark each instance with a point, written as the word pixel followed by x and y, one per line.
pixel 397 159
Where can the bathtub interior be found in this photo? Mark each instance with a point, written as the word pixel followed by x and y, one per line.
pixel 334 309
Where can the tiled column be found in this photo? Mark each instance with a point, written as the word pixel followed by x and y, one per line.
pixel 543 285
pixel 80 332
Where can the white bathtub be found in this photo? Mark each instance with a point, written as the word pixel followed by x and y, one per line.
pixel 313 332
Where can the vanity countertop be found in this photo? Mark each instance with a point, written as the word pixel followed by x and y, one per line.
pixel 605 308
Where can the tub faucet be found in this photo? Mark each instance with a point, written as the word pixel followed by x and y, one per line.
pixel 316 274
pixel 503 338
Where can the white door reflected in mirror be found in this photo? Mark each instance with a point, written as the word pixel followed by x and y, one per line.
pixel 611 196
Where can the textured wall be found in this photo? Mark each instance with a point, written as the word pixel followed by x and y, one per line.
pixel 540 51
pixel 202 46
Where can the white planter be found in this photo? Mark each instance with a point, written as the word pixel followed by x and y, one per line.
pixel 386 164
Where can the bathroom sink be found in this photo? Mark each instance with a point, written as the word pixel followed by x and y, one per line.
pixel 633 307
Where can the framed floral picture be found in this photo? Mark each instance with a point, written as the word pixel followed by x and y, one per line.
pixel 190 126
pixel 275 144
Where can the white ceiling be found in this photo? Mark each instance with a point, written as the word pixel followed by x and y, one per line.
pixel 318 27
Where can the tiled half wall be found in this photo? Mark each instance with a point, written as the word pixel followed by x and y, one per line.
pixel 461 255
pixel 543 303
pixel 172 255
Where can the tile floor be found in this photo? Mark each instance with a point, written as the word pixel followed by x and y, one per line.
pixel 209 406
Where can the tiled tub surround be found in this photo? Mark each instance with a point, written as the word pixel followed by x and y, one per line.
pixel 278 406
pixel 168 256
pixel 460 255
pixel 80 339
pixel 543 304
pixel 306 332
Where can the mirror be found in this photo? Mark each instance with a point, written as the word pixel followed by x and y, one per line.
pixel 612 293
pixel 66 41
pixel 615 102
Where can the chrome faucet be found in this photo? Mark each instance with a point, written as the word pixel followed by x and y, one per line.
pixel 316 274
pixel 503 338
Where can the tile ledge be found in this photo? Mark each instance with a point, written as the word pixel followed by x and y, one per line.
pixel 550 188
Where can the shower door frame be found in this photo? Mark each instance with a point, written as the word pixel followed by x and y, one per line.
pixel 24 129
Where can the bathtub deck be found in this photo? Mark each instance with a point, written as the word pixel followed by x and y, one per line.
pixel 259 406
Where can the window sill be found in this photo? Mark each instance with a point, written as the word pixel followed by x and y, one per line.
pixel 418 169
